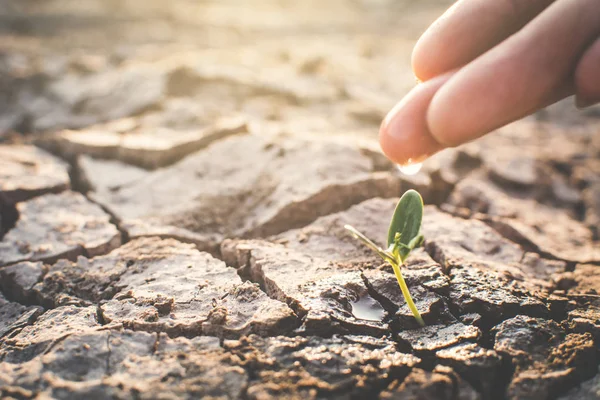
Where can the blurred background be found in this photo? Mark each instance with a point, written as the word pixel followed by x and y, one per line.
pixel 328 66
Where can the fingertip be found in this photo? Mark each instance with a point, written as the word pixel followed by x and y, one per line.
pixel 424 65
pixel 402 152
pixel 431 56
pixel 404 135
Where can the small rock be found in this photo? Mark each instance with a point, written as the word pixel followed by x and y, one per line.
pixel 14 316
pixel 19 279
pixel 26 172
pixel 50 327
pixel 440 384
pixel 588 390
pixel 56 226
pixel 584 279
pixel 547 360
pixel 481 367
pixel 585 319
pixel 583 312
pixel 495 297
pixel 436 337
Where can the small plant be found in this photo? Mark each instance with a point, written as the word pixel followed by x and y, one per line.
pixel 403 236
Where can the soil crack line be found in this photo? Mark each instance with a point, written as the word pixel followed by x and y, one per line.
pixel 109 353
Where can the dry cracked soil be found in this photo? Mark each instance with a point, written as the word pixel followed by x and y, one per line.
pixel 174 182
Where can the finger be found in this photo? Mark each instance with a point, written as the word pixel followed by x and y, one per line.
pixel 517 77
pixel 587 76
pixel 467 30
pixel 404 136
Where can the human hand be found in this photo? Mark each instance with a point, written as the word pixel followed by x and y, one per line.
pixel 486 63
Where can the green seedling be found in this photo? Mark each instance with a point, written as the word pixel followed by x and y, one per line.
pixel 403 236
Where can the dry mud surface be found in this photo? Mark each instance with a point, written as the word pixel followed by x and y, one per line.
pixel 174 181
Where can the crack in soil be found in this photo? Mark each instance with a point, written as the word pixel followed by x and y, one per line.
pixel 100 316
pixel 9 215
pixel 108 354
pixel 389 307
pixel 244 274
pixel 80 186
pixel 18 294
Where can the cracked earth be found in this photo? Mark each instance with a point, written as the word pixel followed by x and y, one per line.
pixel 174 182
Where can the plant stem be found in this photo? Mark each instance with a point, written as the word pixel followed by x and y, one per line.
pixel 406 294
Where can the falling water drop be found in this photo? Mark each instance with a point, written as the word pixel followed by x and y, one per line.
pixel 410 169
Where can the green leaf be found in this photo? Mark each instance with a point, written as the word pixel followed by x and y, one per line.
pixel 406 222
pixel 416 242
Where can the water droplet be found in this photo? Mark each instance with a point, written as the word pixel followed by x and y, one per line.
pixel 367 308
pixel 410 169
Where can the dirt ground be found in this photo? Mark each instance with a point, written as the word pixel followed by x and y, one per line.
pixel 174 181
